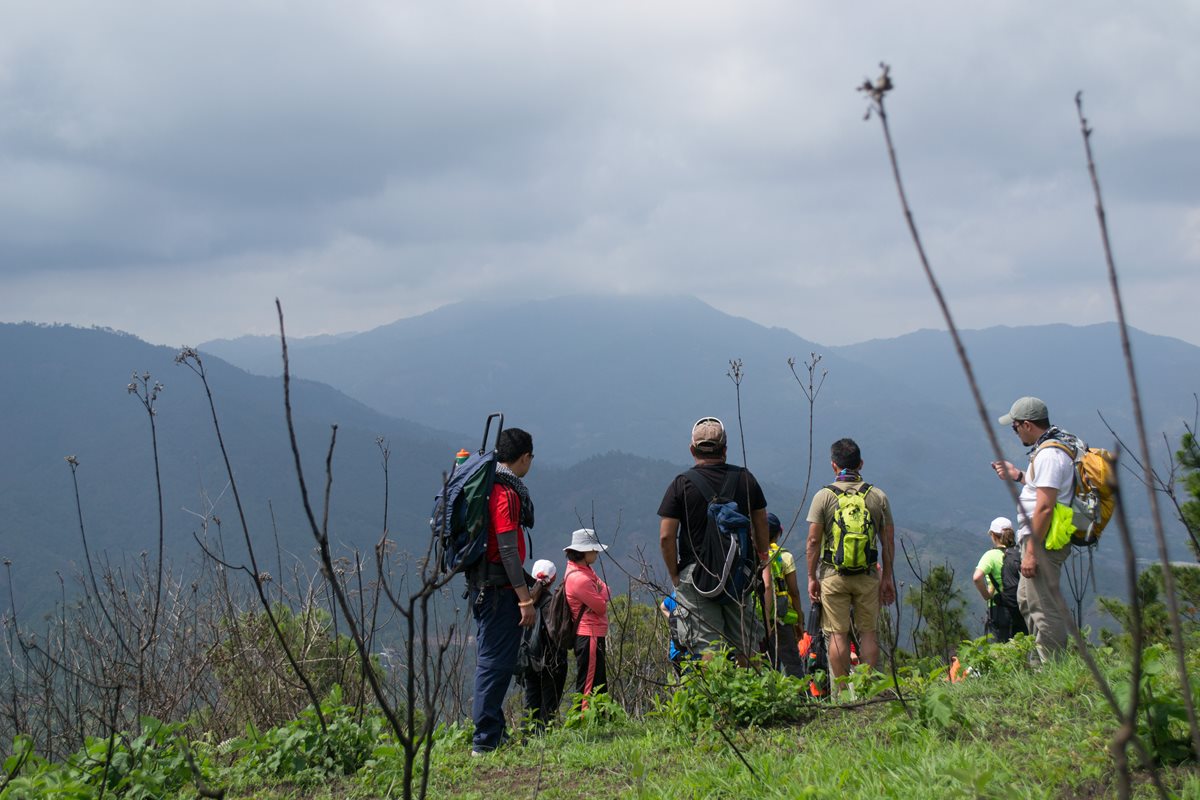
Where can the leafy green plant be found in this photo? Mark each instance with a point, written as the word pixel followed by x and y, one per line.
pixel 718 692
pixel 936 709
pixel 599 711
pixel 148 765
pixel 1162 718
pixel 302 752
pixel 985 656
pixel 863 683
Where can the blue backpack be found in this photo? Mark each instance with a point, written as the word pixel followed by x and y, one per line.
pixel 460 511
pixel 725 557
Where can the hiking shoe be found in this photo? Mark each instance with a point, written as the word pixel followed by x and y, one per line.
pixel 479 753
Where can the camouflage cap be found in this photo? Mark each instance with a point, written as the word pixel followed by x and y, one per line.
pixel 708 435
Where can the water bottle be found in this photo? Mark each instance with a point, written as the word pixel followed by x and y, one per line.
pixel 462 456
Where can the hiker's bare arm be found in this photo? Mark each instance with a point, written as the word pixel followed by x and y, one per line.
pixel 887 586
pixel 981 585
pixel 668 531
pixel 1043 513
pixel 812 554
pixel 887 550
pixel 762 534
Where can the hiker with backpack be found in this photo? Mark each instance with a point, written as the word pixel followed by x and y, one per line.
pixel 713 537
pixel 587 601
pixel 996 577
pixel 544 661
pixel 782 600
pixel 1063 474
pixel 497 592
pixel 850 552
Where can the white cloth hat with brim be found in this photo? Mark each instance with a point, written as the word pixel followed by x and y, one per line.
pixel 585 540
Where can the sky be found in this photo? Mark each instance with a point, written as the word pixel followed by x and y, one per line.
pixel 169 169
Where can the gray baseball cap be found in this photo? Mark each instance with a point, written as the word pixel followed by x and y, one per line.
pixel 1025 408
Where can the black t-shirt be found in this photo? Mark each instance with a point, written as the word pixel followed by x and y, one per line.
pixel 689 505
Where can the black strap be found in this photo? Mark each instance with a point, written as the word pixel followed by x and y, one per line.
pixel 861 490
pixel 728 488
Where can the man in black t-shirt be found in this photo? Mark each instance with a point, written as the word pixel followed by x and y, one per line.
pixel 705 622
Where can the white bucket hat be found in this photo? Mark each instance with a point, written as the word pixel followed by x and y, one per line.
pixel 585 540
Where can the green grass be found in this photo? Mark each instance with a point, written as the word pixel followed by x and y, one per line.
pixel 1008 733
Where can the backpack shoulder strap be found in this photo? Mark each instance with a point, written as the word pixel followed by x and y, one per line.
pixel 701 483
pixel 837 490
pixel 732 476
pixel 1066 448
pixel 1058 444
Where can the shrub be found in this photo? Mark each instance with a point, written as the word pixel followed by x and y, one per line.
pixel 718 692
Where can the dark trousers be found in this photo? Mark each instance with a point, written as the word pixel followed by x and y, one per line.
pixel 590 674
pixel 497 640
pixel 544 690
pixel 783 650
pixel 1005 623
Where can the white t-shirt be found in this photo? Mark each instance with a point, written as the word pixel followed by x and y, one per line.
pixel 1055 469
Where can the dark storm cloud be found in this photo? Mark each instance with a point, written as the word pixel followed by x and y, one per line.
pixel 373 160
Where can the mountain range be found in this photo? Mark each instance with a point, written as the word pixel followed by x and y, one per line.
pixel 608 386
pixel 588 375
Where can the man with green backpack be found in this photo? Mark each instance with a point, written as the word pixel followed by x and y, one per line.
pixel 849 553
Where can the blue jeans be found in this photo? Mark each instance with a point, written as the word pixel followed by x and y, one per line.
pixel 497 641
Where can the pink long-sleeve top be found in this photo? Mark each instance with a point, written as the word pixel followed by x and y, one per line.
pixel 586 591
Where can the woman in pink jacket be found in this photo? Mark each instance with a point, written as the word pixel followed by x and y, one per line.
pixel 587 598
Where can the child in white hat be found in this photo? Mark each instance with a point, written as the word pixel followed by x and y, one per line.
pixel 544 664
pixel 996 578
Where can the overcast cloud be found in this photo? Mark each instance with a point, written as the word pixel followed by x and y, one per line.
pixel 170 168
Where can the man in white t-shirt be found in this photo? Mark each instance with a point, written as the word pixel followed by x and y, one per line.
pixel 1047 481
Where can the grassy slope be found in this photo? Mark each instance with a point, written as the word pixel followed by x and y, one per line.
pixel 1020 735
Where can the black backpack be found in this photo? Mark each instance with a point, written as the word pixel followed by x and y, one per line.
pixel 460 510
pixel 725 557
pixel 561 627
pixel 537 651
pixel 1010 576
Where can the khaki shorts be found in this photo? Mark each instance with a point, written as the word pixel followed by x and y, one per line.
pixel 705 623
pixel 840 593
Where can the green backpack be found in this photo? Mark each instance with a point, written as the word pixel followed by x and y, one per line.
pixel 851 541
